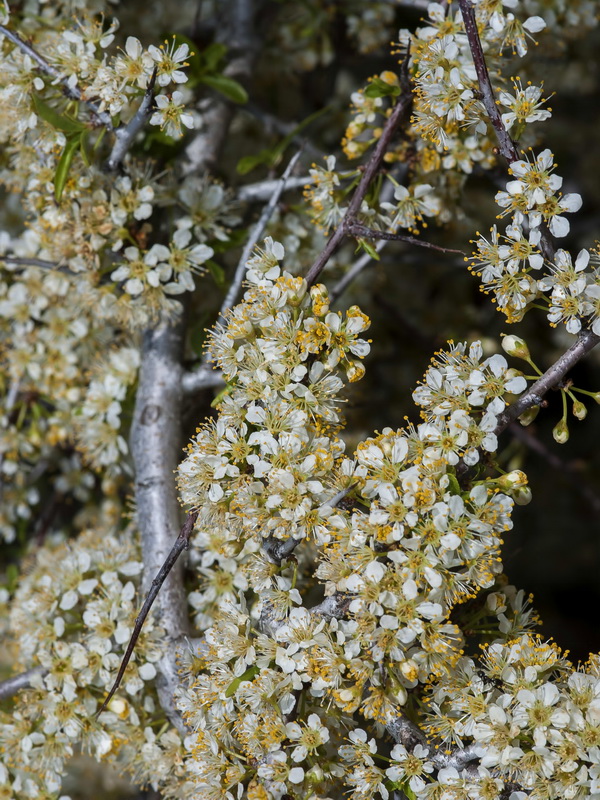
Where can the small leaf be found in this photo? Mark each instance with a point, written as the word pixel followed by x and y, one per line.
pixel 379 88
pixel 52 117
pixel 227 86
pixel 219 397
pixel 64 165
pixel 82 150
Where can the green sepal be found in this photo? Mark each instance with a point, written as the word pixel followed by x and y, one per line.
pixel 247 676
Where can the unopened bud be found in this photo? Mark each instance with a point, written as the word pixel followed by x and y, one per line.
pixel 596 397
pixel 528 416
pixel 512 480
pixel 410 670
pixel 561 432
pixel 522 496
pixel 579 410
pixel 515 346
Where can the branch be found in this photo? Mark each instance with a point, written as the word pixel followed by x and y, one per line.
pixel 549 380
pixel 156 448
pixel 255 235
pixel 72 92
pixel 11 686
pixel 235 28
pixel 505 143
pixel 181 544
pixel 127 133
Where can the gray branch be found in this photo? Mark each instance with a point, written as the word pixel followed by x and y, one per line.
pixel 51 266
pixel 156 450
pixel 11 686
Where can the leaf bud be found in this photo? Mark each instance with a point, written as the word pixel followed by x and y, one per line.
pixel 561 432
pixel 515 346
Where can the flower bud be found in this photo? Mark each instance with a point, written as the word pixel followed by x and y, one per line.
pixel 528 416
pixel 579 410
pixel 512 480
pixel 515 346
pixel 320 300
pixel 596 397
pixel 561 432
pixel 410 670
pixel 522 496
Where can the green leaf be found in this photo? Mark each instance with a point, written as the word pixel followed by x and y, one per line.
pixel 248 163
pixel 220 395
pixel 64 165
pixel 217 272
pixel 82 148
pixel 52 117
pixel 227 86
pixel 12 577
pixel 213 55
pixel 247 676
pixel 369 248
pixel 379 88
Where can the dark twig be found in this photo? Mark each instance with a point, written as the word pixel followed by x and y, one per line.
pixel 507 147
pixel 363 232
pixel 399 113
pixel 549 380
pixel 181 544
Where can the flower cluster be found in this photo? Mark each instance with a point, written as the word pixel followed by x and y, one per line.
pixel 71 617
pixel 511 265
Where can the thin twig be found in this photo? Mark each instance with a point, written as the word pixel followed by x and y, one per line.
pixel 263 190
pixel 125 135
pixel 506 145
pixel 10 686
pixel 204 376
pixel 399 113
pixel 363 232
pixel 255 235
pixel 73 92
pixel 181 544
pixel 345 281
pixel 37 262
